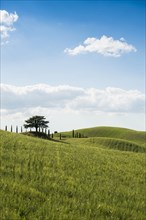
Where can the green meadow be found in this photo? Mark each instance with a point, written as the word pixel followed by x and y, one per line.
pixel 100 177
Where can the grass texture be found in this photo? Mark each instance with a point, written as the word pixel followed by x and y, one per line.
pixel 76 179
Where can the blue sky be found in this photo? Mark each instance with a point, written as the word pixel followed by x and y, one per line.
pixel 35 54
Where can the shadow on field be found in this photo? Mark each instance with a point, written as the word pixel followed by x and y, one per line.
pixel 41 135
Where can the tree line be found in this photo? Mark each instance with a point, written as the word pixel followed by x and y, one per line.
pixel 40 124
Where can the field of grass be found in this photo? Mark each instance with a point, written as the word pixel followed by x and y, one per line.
pixel 110 143
pixel 74 179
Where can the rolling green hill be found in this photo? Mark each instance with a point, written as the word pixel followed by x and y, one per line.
pixel 76 179
pixel 110 143
pixel 112 132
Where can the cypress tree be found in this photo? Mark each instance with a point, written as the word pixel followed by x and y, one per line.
pixel 73 133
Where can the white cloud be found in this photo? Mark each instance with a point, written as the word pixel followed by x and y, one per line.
pixel 4 30
pixel 6 24
pixel 8 19
pixel 105 46
pixel 68 107
pixel 110 100
pixel 66 119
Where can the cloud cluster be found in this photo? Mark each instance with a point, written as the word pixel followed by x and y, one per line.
pixel 6 24
pixel 109 100
pixel 105 46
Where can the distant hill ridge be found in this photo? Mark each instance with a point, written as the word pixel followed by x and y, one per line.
pixel 138 137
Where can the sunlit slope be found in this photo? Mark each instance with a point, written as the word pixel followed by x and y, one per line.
pixel 43 180
pixel 109 143
pixel 112 132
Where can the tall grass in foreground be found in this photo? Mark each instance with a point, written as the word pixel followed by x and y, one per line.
pixel 44 180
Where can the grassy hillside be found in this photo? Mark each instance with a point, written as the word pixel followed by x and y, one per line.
pixel 110 143
pixel 80 179
pixel 112 132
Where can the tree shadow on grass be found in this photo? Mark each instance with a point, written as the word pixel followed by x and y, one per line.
pixel 42 135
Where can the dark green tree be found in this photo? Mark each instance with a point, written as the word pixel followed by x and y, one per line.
pixel 73 133
pixel 36 122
